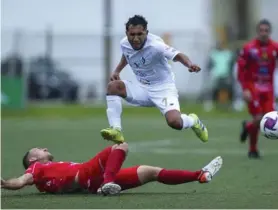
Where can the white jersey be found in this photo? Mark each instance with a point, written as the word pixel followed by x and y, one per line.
pixel 150 64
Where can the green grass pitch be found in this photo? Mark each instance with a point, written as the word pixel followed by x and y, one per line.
pixel 241 183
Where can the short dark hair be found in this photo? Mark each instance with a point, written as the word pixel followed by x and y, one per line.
pixel 264 22
pixel 137 20
pixel 25 160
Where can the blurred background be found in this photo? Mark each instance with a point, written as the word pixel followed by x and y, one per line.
pixel 57 51
pixel 56 58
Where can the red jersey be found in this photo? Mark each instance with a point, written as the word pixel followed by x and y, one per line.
pixel 256 65
pixel 54 177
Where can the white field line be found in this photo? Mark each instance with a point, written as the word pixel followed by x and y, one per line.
pixel 170 151
pixel 147 145
pixel 160 147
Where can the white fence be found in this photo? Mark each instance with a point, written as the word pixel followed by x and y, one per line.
pixel 82 55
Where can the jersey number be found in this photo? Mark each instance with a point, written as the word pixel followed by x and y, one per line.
pixel 164 101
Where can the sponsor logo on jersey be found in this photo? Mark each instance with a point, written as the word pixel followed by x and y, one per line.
pixel 264 56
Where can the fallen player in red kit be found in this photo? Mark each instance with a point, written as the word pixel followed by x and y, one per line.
pixel 102 174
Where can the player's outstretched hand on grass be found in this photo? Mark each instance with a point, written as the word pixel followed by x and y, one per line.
pixel 194 68
pixel 115 76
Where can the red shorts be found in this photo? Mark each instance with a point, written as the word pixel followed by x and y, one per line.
pixel 261 103
pixel 91 173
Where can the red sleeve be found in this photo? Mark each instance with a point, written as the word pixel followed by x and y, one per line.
pixel 241 67
pixel 34 169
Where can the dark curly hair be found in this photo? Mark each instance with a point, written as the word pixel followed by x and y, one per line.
pixel 137 20
pixel 264 22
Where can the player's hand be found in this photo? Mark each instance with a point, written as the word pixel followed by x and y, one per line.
pixel 247 96
pixel 194 68
pixel 115 76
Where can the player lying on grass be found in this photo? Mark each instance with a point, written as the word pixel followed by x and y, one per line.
pixel 148 56
pixel 102 174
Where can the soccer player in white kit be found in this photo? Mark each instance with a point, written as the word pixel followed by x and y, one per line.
pixel 148 57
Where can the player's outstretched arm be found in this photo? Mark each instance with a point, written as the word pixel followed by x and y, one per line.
pixel 17 183
pixel 122 64
pixel 172 54
pixel 184 59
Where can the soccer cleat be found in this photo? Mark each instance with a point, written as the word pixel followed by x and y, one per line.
pixel 243 132
pixel 210 170
pixel 254 155
pixel 109 189
pixel 112 134
pixel 199 128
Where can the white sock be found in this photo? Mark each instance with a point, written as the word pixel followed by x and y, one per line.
pixel 188 121
pixel 114 111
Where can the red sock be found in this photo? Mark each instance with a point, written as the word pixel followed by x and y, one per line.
pixel 113 165
pixel 128 178
pixel 172 177
pixel 250 126
pixel 254 139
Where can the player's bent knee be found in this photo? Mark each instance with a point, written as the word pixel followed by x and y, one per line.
pixel 148 173
pixel 123 146
pixel 173 119
pixel 174 123
pixel 116 87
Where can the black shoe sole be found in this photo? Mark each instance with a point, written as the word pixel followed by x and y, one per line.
pixel 254 155
pixel 243 133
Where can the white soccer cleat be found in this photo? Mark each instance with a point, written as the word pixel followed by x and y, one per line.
pixel 210 170
pixel 110 189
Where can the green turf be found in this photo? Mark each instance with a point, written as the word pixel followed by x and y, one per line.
pixel 81 111
pixel 242 183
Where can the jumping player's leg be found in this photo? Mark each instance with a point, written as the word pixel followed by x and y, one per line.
pixel 116 90
pixel 139 175
pixel 167 100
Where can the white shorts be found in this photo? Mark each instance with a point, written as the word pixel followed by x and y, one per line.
pixel 164 97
